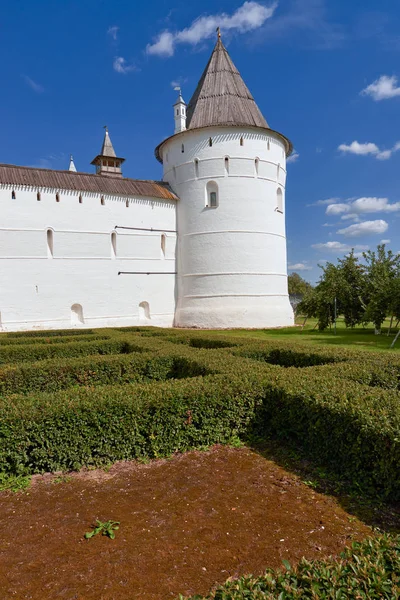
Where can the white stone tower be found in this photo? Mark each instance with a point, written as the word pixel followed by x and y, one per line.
pixel 229 170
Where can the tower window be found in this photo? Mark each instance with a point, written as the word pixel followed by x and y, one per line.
pixel 268 145
pixel 127 204
pixel 182 148
pixel 196 167
pixel 177 111
pixel 80 199
pixel 210 142
pixel 13 195
pixel 226 162
pixel 278 171
pixel 279 200
pixel 241 141
pixel 212 194
pixel 50 243
pixel 57 197
pixel 102 201
pixel 38 196
pixel 163 241
pixel 256 163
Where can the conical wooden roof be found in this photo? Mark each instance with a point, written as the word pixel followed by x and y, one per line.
pixel 221 96
pixel 107 148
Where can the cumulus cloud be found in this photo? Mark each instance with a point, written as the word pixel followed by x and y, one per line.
pixel 299 267
pixel 120 65
pixel 36 87
pixel 113 32
pixel 324 202
pixel 251 15
pixel 364 228
pixel 385 241
pixel 361 206
pixel 338 247
pixel 293 157
pixel 368 148
pixel 383 88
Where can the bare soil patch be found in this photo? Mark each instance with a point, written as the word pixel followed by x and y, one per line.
pixel 187 524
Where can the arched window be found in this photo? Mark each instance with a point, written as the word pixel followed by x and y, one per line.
pixel 268 145
pixel 102 201
pixel 210 142
pixel 77 315
pixel 80 199
pixel 13 195
pixel 183 148
pixel 256 163
pixel 57 197
pixel 144 311
pixel 279 200
pixel 212 199
pixel 226 165
pixel 113 245
pixel 49 243
pixel 241 141
pixel 127 204
pixel 163 242
pixel 38 197
pixel 196 167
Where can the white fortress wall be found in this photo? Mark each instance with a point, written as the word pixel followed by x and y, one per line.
pixel 232 258
pixel 59 260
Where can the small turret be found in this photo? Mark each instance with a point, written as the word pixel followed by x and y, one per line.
pixel 72 166
pixel 107 162
pixel 180 112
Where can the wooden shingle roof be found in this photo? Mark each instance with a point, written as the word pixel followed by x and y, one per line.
pixel 84 182
pixel 222 97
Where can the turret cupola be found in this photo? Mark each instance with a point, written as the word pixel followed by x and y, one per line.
pixel 71 164
pixel 180 113
pixel 107 162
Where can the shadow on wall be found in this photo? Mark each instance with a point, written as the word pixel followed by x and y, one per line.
pixel 144 311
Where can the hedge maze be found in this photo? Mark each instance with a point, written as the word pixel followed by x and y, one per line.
pixel 75 398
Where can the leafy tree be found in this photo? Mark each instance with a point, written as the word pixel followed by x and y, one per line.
pixel 382 271
pixel 297 285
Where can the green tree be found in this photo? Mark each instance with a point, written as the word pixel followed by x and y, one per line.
pixel 297 285
pixel 382 271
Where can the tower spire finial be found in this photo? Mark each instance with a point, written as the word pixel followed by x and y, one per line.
pixel 219 32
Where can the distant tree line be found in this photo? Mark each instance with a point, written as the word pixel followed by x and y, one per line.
pixel 365 292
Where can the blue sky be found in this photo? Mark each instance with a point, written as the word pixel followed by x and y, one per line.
pixel 326 73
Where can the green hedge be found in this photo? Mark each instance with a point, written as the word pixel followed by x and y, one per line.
pixel 368 570
pixel 344 413
pixel 39 351
pixel 50 340
pixel 48 333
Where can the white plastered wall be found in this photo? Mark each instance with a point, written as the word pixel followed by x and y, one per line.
pixel 38 288
pixel 231 259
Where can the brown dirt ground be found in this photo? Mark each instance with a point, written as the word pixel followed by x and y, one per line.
pixel 187 524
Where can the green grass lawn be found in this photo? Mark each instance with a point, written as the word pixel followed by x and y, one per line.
pixel 359 337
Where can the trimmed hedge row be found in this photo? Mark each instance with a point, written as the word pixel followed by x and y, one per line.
pixel 48 333
pixel 332 410
pixel 51 376
pixel 368 570
pixel 51 340
pixel 34 352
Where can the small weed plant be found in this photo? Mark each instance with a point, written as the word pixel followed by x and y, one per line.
pixel 108 528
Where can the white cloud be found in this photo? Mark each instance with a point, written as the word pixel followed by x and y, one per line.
pixel 113 32
pixel 368 148
pixel 323 202
pixel 385 241
pixel 293 157
pixel 338 247
pixel 364 228
pixel 299 267
pixel 251 15
pixel 350 217
pixel 360 206
pixel 383 88
pixel 121 66
pixel 36 87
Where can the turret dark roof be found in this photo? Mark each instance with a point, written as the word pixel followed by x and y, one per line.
pixel 221 96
